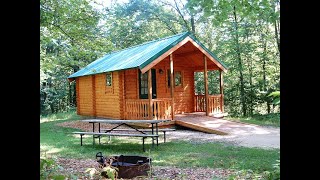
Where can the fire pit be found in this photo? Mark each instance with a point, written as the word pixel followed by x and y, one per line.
pixel 129 166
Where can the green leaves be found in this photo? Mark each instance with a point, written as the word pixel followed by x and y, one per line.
pixel 243 32
pixel 70 39
pixel 49 169
pixel 111 171
pixel 276 96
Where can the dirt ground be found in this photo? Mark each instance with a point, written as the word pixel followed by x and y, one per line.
pixel 78 168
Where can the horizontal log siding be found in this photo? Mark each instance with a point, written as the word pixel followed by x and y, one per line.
pixel 108 98
pixel 85 96
pixel 131 84
pixel 122 95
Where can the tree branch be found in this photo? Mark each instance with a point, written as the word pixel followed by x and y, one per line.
pixel 178 10
pixel 64 32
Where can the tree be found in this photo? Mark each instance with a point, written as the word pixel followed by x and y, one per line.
pixel 245 38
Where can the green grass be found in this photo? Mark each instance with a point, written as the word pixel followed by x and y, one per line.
pixel 59 142
pixel 71 115
pixel 272 119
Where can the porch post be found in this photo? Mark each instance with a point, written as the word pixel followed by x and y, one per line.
pixel 206 84
pixel 221 91
pixel 150 94
pixel 171 87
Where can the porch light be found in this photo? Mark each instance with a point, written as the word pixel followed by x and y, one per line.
pixel 160 71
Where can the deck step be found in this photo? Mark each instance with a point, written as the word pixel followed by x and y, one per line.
pixel 219 115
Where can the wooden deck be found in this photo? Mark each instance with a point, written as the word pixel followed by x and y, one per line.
pixel 200 122
pixel 168 124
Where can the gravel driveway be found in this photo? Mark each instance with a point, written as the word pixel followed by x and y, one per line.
pixel 246 135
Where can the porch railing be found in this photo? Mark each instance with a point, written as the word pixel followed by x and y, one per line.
pixel 199 103
pixel 214 102
pixel 139 109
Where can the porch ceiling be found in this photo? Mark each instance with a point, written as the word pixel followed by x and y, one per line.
pixel 191 56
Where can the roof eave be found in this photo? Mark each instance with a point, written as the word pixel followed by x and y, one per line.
pixel 173 46
pixel 156 56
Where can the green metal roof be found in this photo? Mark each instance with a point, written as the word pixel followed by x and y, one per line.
pixel 135 57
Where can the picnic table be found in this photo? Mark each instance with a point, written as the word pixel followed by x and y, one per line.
pixel 111 132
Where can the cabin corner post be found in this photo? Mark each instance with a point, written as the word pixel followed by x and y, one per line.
pixel 150 94
pixel 171 87
pixel 78 95
pixel 221 91
pixel 206 84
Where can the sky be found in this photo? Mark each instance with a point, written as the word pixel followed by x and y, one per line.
pixel 100 4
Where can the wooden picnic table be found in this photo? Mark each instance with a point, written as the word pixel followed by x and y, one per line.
pixel 154 126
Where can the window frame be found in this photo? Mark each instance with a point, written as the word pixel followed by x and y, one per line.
pixel 174 75
pixel 179 87
pixel 111 79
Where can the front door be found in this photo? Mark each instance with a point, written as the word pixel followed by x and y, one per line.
pixel 143 85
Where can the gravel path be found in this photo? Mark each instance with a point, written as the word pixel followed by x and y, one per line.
pixel 262 137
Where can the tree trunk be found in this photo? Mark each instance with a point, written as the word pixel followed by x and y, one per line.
pixel 52 108
pixel 277 36
pixel 75 69
pixel 251 89
pixel 276 26
pixel 264 74
pixel 249 60
pixel 70 94
pixel 193 28
pixel 242 93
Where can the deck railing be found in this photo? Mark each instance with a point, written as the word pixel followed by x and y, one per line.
pixel 199 103
pixel 214 102
pixel 139 108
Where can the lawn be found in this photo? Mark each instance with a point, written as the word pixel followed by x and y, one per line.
pixel 58 141
pixel 272 119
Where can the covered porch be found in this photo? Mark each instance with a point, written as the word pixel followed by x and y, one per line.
pixel 166 87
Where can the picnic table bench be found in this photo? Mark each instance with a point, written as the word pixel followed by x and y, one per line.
pixel 110 132
pixel 114 134
pixel 164 130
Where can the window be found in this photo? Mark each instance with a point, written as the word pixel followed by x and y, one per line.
pixel 109 79
pixel 177 78
pixel 144 84
pixel 169 77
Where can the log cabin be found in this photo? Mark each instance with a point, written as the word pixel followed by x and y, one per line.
pixel 153 80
